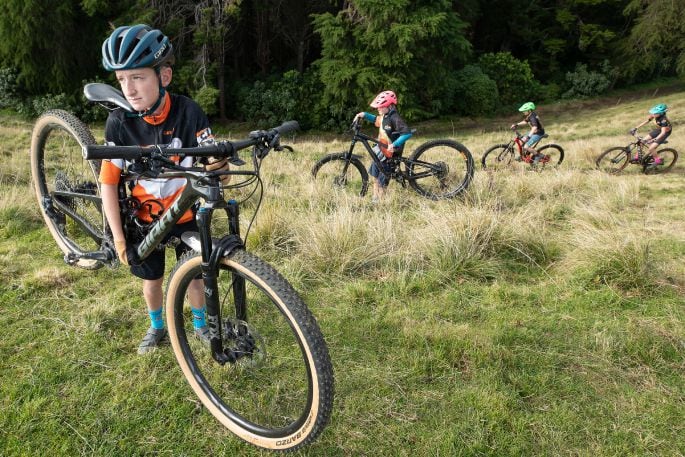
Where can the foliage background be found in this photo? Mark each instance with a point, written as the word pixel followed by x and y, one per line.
pixel 322 60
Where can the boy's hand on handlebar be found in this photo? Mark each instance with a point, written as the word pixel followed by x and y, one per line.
pixel 218 164
pixel 358 116
pixel 632 131
pixel 513 126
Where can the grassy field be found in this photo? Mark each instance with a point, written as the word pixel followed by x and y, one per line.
pixel 543 314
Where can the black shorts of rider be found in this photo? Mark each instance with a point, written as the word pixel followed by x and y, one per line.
pixel 382 175
pixel 655 133
pixel 153 266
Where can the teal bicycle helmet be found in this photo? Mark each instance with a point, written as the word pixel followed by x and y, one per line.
pixel 136 46
pixel 659 109
pixel 529 106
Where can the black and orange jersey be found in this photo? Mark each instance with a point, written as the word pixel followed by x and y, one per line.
pixel 182 123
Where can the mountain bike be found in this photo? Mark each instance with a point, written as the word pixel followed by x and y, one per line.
pixel 615 159
pixel 501 156
pixel 266 374
pixel 437 169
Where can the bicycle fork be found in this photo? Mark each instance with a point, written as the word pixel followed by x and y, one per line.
pixel 211 256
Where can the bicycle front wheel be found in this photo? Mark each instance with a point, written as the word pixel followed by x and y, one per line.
pixel 668 156
pixel 613 160
pixel 336 171
pixel 553 155
pixel 278 394
pixel 498 157
pixel 67 185
pixel 440 169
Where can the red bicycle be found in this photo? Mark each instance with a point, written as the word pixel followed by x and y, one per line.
pixel 501 156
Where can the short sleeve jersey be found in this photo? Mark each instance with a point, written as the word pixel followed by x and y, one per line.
pixel 390 127
pixel 182 123
pixel 534 121
pixel 662 121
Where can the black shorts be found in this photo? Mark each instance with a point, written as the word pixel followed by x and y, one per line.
pixel 656 133
pixel 154 265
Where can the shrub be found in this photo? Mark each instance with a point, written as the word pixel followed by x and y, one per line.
pixel 291 96
pixel 207 97
pixel 584 83
pixel 475 92
pixel 514 78
pixel 9 88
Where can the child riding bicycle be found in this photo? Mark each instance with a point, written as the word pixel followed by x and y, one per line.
pixel 657 136
pixel 536 131
pixel 393 132
pixel 141 58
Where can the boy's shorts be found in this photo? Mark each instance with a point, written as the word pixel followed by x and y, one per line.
pixel 534 138
pixel 656 133
pixel 153 266
pixel 382 175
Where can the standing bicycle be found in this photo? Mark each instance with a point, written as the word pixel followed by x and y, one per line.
pixel 437 169
pixel 615 160
pixel 266 374
pixel 165 182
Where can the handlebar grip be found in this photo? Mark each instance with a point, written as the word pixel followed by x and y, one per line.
pixel 99 152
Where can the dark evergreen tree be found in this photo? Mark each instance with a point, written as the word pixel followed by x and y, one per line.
pixel 409 46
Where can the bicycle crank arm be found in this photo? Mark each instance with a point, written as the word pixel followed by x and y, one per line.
pixel 72 258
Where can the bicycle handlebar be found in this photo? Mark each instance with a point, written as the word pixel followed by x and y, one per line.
pixel 228 149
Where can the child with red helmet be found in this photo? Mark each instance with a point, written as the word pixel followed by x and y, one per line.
pixel 393 132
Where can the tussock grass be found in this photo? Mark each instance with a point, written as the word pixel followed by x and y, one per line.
pixel 540 314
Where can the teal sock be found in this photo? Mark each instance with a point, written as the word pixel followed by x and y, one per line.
pixel 156 319
pixel 198 317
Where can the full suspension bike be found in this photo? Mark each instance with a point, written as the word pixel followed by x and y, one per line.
pixel 615 160
pixel 266 374
pixel 503 156
pixel 437 169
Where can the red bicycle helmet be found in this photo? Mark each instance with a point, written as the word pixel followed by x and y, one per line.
pixel 385 98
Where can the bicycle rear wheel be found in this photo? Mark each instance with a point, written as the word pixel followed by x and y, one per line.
pixel 613 160
pixel 440 169
pixel 668 156
pixel 279 393
pixel 498 157
pixel 67 185
pixel 553 156
pixel 335 171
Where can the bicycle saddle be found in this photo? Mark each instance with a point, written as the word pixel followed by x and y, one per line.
pixel 104 93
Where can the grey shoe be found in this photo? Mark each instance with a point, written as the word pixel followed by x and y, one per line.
pixel 151 340
pixel 202 334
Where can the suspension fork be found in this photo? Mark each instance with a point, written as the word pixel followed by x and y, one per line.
pixel 211 256
pixel 238 282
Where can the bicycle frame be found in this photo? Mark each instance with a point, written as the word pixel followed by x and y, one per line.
pixel 207 186
pixel 398 174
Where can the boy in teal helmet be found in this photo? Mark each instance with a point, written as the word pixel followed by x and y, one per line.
pixel 657 136
pixel 536 130
pixel 141 58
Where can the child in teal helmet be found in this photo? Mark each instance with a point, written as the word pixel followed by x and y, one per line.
pixel 657 136
pixel 536 130
pixel 141 58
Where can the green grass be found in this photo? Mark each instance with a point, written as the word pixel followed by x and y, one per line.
pixel 543 314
